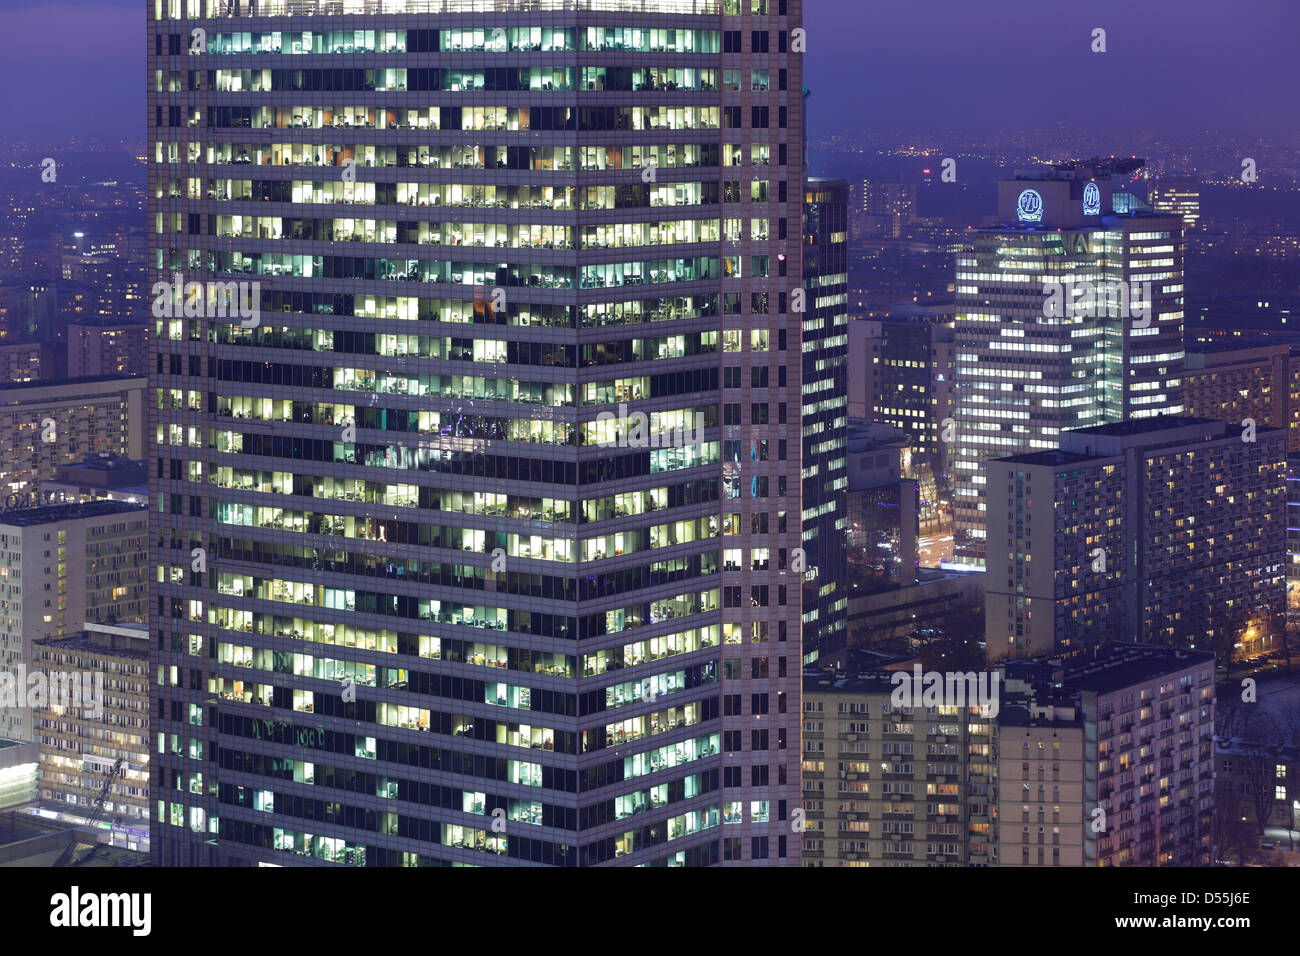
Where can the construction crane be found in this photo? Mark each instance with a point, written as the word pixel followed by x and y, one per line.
pixel 97 811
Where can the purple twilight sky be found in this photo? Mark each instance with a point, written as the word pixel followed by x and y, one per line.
pixel 72 67
pixel 1170 66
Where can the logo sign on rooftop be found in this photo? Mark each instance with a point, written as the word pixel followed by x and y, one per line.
pixel 1091 200
pixel 1029 207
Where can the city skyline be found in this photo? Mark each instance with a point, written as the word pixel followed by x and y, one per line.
pixel 649 433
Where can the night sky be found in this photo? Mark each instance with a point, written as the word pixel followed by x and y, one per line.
pixel 76 67
pixel 1171 66
pixel 72 68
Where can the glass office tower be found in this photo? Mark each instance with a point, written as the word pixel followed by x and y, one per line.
pixel 478 455
pixel 825 416
pixel 1068 315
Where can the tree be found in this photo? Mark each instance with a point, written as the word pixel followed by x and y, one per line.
pixel 1286 715
pixel 1258 756
pixel 1229 833
pixel 1229 713
pixel 957 646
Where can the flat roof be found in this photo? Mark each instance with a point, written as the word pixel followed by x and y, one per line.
pixel 1016 713
pixel 1255 747
pixel 106 462
pixel 50 514
pixel 79 380
pixel 1109 220
pixel 1050 458
pixel 1236 345
pixel 827 683
pixel 1142 426
pixel 97 643
pixel 1122 665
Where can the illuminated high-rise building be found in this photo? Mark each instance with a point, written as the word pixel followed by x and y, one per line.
pixel 48 423
pixel 1178 196
pixel 1068 315
pixel 913 379
pixel 103 348
pixel 1167 530
pixel 886 210
pixel 65 565
pixel 478 559
pixel 825 415
pixel 1293 542
pixel 1020 780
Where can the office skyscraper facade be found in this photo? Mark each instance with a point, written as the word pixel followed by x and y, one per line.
pixel 469 522
pixel 1068 315
pixel 825 415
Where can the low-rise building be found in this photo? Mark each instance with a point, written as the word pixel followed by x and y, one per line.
pixel 46 424
pixel 80 749
pixel 61 567
pixel 1104 759
pixel 888 785
pixel 1162 530
pixel 100 476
